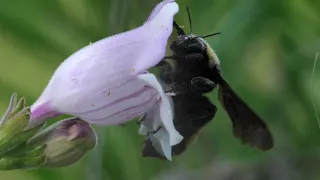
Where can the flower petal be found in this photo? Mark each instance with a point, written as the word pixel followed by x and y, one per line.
pixel 43 111
pixel 114 106
pixel 99 75
pixel 157 9
pixel 152 120
pixel 160 142
pixel 161 25
pixel 165 109
pixel 143 130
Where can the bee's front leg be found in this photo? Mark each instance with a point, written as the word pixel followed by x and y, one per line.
pixel 191 56
pixel 156 130
pixel 203 84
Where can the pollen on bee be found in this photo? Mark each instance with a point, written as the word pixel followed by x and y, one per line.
pixel 109 93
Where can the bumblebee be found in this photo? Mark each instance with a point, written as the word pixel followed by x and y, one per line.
pixel 193 70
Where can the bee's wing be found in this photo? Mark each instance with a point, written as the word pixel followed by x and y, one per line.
pixel 192 112
pixel 247 125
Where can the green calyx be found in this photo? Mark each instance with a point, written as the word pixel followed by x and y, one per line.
pixel 61 144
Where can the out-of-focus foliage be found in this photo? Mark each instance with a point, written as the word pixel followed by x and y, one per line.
pixel 267 51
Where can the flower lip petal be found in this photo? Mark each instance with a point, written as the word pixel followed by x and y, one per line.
pixel 160 141
pixel 152 119
pixel 165 109
pixel 161 25
pixel 158 8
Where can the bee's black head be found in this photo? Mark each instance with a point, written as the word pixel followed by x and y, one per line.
pixel 187 44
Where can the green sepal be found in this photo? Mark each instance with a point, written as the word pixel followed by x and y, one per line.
pixel 17 145
pixel 13 163
pixel 10 130
pixel 12 105
pixel 15 124
pixel 18 108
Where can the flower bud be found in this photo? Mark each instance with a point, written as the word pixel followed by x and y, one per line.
pixel 65 142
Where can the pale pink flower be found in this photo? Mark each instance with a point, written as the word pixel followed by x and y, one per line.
pixel 107 82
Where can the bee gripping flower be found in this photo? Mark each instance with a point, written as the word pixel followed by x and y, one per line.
pixel 160 140
pixel 107 82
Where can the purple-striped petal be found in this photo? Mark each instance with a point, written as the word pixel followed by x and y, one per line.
pixel 100 84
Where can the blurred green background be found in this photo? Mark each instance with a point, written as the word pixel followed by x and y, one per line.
pixel 267 51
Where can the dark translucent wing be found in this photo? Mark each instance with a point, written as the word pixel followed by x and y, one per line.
pixel 192 112
pixel 247 125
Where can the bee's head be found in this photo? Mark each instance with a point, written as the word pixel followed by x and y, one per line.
pixel 189 43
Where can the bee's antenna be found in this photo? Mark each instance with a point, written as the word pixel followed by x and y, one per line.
pixel 189 16
pixel 209 35
pixel 178 28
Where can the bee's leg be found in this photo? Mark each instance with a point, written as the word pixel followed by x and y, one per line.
pixel 162 62
pixel 172 57
pixel 178 28
pixel 122 124
pixel 195 85
pixel 156 130
pixel 141 119
pixel 203 84
pixel 192 56
pixel 178 89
